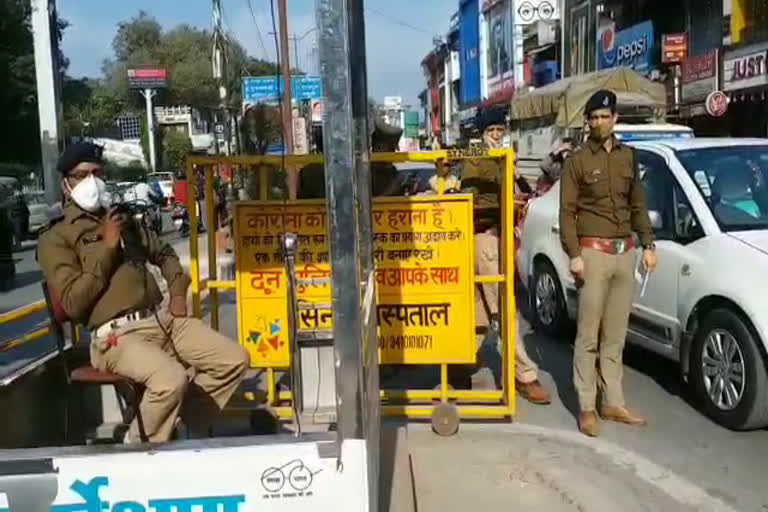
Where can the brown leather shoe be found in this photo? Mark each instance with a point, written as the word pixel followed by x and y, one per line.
pixel 534 392
pixel 621 415
pixel 589 425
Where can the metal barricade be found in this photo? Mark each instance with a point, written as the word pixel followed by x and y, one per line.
pixel 260 281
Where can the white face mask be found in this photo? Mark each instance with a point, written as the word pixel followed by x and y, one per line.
pixel 91 194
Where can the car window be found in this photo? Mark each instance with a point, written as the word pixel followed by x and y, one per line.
pixel 658 181
pixel 734 182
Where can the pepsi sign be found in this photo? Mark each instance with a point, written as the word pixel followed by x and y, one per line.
pixel 632 47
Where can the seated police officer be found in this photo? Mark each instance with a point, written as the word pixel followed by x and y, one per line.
pixel 95 262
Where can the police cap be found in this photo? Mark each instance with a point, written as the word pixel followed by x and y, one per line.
pixel 601 99
pixel 491 117
pixel 78 153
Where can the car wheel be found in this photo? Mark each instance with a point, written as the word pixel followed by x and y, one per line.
pixel 728 371
pixel 547 300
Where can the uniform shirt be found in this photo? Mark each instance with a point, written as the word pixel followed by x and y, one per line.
pixel 601 196
pixel 93 283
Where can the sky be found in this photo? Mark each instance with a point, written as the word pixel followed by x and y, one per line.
pixel 399 33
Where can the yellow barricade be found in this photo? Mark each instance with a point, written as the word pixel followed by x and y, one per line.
pixel 424 272
pixel 424 277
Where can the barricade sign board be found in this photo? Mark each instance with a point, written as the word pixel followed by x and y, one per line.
pixel 423 250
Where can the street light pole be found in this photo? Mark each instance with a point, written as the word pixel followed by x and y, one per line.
pixel 43 17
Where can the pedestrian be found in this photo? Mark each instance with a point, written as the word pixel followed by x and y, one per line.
pixel 602 201
pixel 94 261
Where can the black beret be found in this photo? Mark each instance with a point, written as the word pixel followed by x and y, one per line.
pixel 601 99
pixel 383 132
pixel 491 117
pixel 78 153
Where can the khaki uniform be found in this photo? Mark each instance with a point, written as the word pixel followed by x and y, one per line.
pixel 167 355
pixel 601 203
pixel 487 303
pixel 485 176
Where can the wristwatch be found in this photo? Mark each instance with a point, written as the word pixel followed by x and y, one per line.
pixel 649 247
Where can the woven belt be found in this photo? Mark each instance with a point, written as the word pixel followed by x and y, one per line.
pixel 104 329
pixel 607 245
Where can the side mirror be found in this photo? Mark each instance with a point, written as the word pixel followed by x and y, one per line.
pixel 656 220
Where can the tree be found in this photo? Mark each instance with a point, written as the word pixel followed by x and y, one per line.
pixel 185 52
pixel 176 147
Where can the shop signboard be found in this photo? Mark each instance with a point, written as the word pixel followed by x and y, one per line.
pixel 499 41
pixel 147 78
pixel 674 47
pixel 632 47
pixel 717 104
pixel 699 76
pixel 469 43
pixel 745 70
pixel 532 11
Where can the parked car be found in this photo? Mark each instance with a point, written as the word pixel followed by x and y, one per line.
pixel 39 211
pixel 704 306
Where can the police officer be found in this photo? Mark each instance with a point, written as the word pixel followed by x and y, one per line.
pixel 99 275
pixel 384 176
pixel 602 202
pixel 483 179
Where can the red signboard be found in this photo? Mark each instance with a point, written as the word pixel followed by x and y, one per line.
pixel 699 67
pixel 147 78
pixel 717 104
pixel 674 47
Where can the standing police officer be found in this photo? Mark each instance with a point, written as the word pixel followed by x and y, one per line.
pixel 601 203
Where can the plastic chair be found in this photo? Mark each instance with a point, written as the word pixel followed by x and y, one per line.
pixel 86 375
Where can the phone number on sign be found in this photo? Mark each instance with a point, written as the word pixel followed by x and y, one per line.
pixel 421 342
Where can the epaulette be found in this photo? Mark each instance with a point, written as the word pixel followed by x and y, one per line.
pixel 52 222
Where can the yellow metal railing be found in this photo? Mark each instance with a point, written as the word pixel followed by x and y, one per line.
pixel 292 165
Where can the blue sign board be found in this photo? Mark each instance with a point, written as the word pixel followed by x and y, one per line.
pixel 264 88
pixel 632 47
pixel 469 48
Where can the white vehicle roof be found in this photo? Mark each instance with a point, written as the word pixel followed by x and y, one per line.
pixel 652 127
pixel 700 143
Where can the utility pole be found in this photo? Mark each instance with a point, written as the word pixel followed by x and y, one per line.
pixel 219 72
pixel 286 68
pixel 46 69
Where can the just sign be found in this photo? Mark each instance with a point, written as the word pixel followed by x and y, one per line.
pixel 746 71
pixel 749 67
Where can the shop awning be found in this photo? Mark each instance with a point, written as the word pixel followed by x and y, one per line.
pixel 565 99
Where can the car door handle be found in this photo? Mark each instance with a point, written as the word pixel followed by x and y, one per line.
pixel 555 229
pixel 685 269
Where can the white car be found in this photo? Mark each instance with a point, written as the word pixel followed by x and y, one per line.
pixel 705 305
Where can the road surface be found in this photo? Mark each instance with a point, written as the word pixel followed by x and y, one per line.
pixel 727 466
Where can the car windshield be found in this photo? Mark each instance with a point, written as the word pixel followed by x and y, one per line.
pixel 734 182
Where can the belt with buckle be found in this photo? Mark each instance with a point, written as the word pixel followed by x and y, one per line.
pixel 106 328
pixel 607 245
